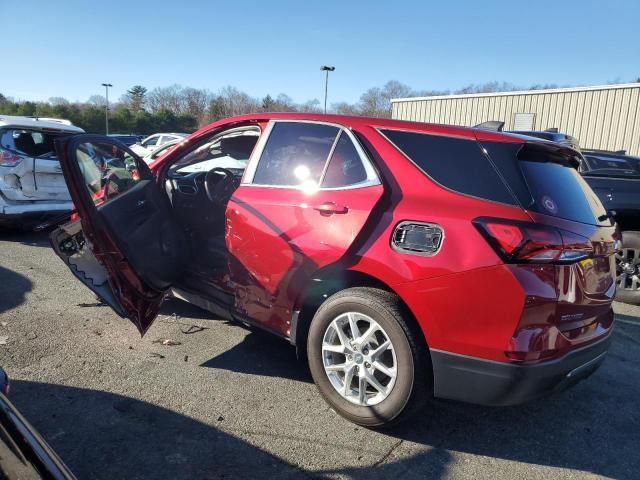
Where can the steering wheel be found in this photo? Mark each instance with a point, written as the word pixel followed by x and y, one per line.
pixel 219 183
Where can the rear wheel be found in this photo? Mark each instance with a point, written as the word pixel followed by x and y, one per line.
pixel 369 364
pixel 628 269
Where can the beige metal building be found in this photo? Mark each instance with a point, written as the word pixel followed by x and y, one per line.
pixel 603 117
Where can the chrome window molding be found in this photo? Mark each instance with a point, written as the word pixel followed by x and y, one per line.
pixel 372 176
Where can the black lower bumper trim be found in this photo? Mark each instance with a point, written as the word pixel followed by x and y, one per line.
pixel 485 382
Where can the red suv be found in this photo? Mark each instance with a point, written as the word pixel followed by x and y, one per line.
pixel 404 259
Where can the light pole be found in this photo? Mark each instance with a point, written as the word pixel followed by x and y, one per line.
pixel 326 69
pixel 106 108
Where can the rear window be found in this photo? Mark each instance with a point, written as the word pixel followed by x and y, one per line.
pixel 455 163
pixel 29 142
pixel 544 182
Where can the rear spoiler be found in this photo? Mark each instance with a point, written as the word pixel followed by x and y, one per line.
pixel 492 125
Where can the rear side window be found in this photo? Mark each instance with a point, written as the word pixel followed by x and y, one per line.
pixel 544 182
pixel 29 142
pixel 455 163
pixel 345 166
pixel 295 154
pixel 151 142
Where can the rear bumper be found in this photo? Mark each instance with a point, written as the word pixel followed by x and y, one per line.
pixel 17 211
pixel 486 382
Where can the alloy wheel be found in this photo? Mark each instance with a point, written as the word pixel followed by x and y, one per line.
pixel 359 359
pixel 628 269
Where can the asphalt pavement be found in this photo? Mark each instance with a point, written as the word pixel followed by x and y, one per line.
pixel 220 401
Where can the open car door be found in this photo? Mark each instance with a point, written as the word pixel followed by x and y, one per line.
pixel 125 246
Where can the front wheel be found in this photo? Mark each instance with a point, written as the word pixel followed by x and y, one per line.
pixel 628 269
pixel 370 365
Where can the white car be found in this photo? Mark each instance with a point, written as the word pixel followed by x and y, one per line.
pixel 154 141
pixel 160 151
pixel 31 181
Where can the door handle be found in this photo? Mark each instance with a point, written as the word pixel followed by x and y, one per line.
pixel 329 208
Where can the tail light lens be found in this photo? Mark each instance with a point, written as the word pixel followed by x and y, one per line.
pixel 9 159
pixel 521 242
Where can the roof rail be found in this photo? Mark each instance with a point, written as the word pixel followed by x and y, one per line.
pixel 63 121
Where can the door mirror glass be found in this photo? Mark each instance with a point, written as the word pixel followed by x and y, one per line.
pixel 108 170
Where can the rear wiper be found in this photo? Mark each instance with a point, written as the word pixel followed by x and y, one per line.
pixel 607 216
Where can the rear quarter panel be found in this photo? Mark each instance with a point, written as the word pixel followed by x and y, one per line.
pixel 464 298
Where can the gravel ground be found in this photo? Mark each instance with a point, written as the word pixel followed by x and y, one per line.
pixel 232 403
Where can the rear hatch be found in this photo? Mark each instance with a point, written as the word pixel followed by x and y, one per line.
pixel 29 168
pixel 574 236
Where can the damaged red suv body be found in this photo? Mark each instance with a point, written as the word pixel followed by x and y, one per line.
pixel 404 259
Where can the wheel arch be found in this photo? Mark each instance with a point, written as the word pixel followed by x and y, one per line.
pixel 324 283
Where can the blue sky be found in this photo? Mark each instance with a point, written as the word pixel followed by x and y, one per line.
pixel 67 48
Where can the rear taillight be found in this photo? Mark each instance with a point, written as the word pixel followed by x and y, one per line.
pixel 522 242
pixel 9 159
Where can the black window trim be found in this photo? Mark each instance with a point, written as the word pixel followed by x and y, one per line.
pixel 517 203
pixel 372 175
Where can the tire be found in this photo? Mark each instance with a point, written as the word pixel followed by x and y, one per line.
pixel 628 290
pixel 406 393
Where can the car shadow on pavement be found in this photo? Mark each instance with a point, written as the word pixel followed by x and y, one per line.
pixel 13 289
pixel 261 353
pixel 181 309
pixel 33 239
pixel 101 435
pixel 592 427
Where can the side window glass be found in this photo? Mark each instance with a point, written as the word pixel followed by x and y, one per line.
pixel 458 164
pixel 345 166
pixel 151 142
pixel 108 171
pixel 295 154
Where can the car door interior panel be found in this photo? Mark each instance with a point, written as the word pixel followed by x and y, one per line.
pixel 143 225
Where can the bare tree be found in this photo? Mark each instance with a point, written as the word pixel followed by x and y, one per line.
pixel 57 101
pixel 166 98
pixel 345 108
pixel 311 106
pixel 196 102
pixel 284 103
pixel 97 100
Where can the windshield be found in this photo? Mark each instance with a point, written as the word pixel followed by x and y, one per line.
pixel 231 152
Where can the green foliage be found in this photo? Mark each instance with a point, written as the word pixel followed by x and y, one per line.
pixel 136 97
pixel 91 118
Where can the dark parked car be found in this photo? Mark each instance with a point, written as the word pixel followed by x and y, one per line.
pixel 404 259
pixel 615 177
pixel 128 140
pixel 24 454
